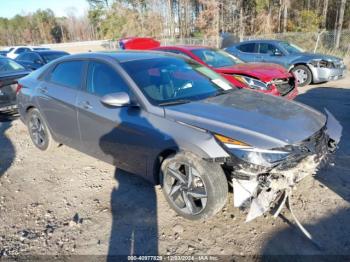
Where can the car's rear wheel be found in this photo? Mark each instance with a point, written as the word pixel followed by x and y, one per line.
pixel 303 75
pixel 39 131
pixel 193 187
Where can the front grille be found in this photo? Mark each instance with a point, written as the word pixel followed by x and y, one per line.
pixel 284 86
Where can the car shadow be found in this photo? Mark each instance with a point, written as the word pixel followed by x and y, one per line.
pixel 331 233
pixel 7 150
pixel 335 176
pixel 134 210
pixel 132 145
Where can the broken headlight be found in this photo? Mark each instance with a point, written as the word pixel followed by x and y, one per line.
pixel 322 64
pixel 256 156
pixel 252 82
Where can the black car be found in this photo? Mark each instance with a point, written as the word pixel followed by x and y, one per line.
pixel 35 59
pixel 10 72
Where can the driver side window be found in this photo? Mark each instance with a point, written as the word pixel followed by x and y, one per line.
pixel 102 79
pixel 265 48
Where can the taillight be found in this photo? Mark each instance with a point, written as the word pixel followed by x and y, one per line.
pixel 19 87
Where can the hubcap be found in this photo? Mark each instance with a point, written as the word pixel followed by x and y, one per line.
pixel 37 130
pixel 301 75
pixel 185 188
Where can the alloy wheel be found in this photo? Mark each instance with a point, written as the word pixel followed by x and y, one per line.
pixel 301 75
pixel 37 130
pixel 185 188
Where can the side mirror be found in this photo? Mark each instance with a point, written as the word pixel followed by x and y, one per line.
pixel 119 99
pixel 277 53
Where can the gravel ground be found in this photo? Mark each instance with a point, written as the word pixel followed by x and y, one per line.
pixel 67 203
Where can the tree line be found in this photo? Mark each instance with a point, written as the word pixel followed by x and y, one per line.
pixel 112 19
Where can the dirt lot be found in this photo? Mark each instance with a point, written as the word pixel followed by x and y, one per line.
pixel 68 203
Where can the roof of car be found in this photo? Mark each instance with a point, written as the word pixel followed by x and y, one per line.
pixel 186 47
pixel 46 51
pixel 123 56
pixel 261 41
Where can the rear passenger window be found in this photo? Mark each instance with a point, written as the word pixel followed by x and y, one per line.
pixel 247 48
pixel 102 79
pixel 68 74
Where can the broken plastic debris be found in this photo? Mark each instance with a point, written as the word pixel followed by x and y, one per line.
pixel 244 190
pixel 334 128
pixel 261 204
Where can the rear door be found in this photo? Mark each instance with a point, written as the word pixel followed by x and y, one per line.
pixel 248 52
pixel 57 96
pixel 112 134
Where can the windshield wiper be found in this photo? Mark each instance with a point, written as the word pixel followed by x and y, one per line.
pixel 176 102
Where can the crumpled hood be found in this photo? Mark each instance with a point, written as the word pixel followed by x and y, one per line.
pixel 315 56
pixel 262 121
pixel 263 71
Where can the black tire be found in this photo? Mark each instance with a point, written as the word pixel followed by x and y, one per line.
pixel 303 75
pixel 39 132
pixel 207 178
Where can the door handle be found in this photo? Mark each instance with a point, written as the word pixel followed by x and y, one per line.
pixel 85 105
pixel 43 90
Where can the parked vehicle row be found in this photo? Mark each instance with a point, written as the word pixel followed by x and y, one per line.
pixel 265 78
pixel 12 70
pixel 270 79
pixel 179 124
pixel 13 52
pixel 36 59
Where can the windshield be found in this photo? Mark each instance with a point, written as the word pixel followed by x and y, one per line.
pixel 7 65
pixel 170 80
pixel 52 56
pixel 216 58
pixel 291 48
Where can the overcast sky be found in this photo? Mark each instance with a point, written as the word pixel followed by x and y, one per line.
pixel 9 8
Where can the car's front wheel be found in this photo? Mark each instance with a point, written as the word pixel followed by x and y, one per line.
pixel 39 131
pixel 193 187
pixel 303 75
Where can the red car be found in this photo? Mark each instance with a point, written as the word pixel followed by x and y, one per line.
pixel 267 78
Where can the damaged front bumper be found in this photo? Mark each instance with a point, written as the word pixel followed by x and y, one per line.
pixel 262 188
pixel 321 74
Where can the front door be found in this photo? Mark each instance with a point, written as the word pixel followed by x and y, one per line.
pixel 117 135
pixel 267 54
